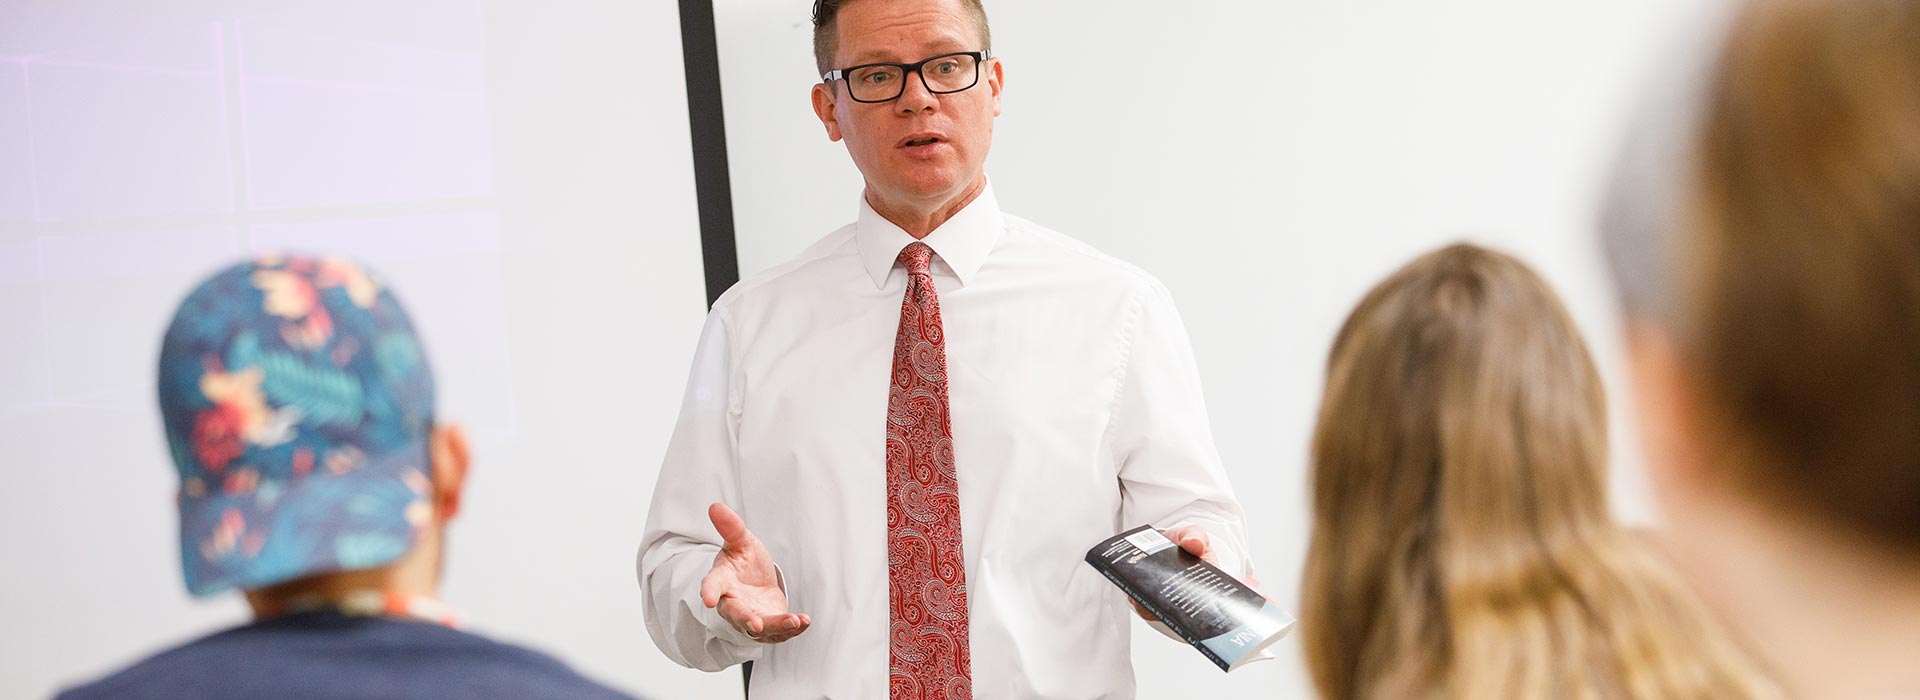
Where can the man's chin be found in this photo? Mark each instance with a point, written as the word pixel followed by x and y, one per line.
pixel 906 194
pixel 929 183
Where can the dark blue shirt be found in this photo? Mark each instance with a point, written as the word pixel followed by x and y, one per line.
pixel 330 656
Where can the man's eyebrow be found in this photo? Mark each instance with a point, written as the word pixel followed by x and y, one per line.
pixel 871 57
pixel 938 49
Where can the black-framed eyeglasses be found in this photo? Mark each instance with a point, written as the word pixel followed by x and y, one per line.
pixel 886 82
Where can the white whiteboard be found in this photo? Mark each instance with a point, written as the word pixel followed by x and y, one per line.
pixel 1269 161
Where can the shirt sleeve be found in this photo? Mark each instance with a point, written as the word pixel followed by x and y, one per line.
pixel 680 543
pixel 1170 471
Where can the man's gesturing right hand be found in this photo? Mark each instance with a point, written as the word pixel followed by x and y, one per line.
pixel 743 585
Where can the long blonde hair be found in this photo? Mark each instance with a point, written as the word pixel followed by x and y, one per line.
pixel 1462 545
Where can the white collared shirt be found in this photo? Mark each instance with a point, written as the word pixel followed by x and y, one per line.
pixel 1076 411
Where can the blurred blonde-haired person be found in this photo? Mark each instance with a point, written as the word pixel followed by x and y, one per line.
pixel 1462 545
pixel 1766 242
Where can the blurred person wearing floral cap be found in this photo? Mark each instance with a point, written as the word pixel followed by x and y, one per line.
pixel 298 406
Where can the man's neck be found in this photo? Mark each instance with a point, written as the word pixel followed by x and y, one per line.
pixel 919 219
pixel 417 573
pixel 1835 616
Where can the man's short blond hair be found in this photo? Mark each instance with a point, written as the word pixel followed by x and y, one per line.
pixel 826 32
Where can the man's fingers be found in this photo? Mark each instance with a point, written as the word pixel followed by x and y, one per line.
pixel 732 529
pixel 740 616
pixel 715 585
pixel 1195 544
pixel 1142 611
pixel 770 628
pixel 780 628
pixel 1192 539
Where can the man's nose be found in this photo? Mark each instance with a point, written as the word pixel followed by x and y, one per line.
pixel 916 97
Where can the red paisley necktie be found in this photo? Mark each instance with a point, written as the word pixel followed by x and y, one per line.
pixel 928 656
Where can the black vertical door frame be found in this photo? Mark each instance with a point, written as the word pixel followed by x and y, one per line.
pixel 707 121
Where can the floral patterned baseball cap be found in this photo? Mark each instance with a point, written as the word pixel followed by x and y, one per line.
pixel 297 404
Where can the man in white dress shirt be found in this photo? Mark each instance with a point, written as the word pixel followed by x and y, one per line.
pixel 896 448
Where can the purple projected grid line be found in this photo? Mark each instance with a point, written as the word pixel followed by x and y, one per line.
pixel 118 67
pixel 33 162
pixel 46 321
pixel 233 120
pixel 363 87
pixel 39 255
pixel 90 399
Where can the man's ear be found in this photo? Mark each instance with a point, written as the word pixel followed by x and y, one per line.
pixel 996 79
pixel 450 460
pixel 1673 429
pixel 823 104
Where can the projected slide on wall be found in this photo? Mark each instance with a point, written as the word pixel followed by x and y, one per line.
pixel 144 143
pixel 520 173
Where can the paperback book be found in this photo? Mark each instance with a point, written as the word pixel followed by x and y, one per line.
pixel 1227 621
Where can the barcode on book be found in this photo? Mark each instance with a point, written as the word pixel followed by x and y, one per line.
pixel 1149 540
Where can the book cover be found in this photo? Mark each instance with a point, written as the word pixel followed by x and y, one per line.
pixel 1227 621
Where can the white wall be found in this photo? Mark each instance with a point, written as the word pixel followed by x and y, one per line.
pixel 1269 161
pixel 520 171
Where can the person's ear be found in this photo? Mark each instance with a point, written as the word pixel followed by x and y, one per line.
pixel 1672 431
pixel 823 106
pixel 450 461
pixel 997 80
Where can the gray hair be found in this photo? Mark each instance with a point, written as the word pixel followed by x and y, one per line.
pixel 1643 212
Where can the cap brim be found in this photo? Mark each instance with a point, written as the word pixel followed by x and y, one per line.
pixel 361 518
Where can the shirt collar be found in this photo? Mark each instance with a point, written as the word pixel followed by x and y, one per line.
pixel 963 242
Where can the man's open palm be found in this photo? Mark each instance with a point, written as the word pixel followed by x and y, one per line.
pixel 744 587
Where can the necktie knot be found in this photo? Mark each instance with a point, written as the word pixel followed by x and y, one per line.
pixel 917 258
